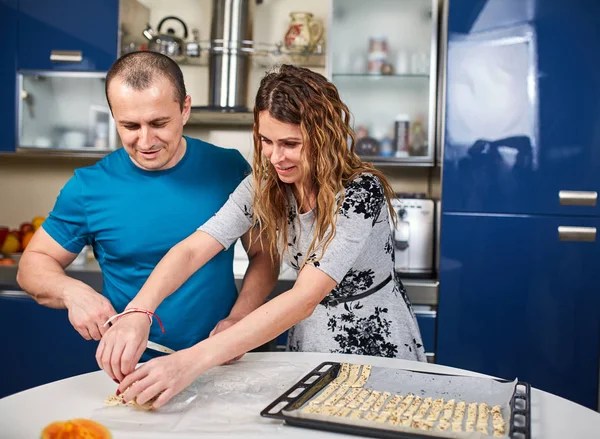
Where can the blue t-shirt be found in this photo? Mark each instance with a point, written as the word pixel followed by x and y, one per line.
pixel 132 217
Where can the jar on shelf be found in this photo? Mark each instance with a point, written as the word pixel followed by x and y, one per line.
pixel 401 135
pixel 386 147
pixel 418 138
pixel 365 144
pixel 378 54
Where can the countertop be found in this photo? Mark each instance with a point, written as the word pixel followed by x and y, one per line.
pixel 230 399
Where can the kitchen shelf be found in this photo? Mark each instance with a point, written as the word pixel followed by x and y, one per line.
pixel 378 76
pixel 414 161
pixel 264 55
pixel 201 116
pixel 298 59
pixel 56 153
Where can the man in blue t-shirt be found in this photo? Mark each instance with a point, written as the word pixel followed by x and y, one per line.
pixel 133 206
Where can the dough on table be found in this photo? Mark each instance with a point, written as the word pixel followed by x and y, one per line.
pixel 119 400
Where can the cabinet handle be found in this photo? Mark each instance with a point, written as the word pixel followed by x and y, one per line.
pixel 582 234
pixel 66 56
pixel 13 293
pixel 578 198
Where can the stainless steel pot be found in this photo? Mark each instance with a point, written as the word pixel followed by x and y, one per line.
pixel 167 43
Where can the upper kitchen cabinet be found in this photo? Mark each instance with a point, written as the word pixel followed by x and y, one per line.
pixel 68 35
pixel 64 112
pixel 8 77
pixel 522 107
pixel 382 56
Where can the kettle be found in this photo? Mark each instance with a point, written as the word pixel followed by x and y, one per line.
pixel 168 44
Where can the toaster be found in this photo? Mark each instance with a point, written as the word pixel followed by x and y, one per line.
pixel 414 236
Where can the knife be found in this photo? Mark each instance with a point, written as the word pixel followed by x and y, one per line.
pixel 159 348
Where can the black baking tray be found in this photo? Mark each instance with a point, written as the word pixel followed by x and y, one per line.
pixel 297 395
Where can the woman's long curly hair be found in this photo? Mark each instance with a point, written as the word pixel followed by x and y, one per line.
pixel 302 97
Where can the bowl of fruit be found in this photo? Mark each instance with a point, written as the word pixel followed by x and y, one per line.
pixel 14 241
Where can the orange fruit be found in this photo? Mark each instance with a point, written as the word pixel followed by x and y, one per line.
pixel 26 238
pixel 37 222
pixel 76 429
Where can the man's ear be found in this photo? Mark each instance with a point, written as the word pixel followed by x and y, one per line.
pixel 187 108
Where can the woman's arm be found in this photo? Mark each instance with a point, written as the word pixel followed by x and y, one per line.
pixel 169 375
pixel 122 345
pixel 176 267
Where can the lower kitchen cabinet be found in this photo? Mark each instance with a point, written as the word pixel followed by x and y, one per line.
pixel 520 299
pixel 39 345
pixel 426 318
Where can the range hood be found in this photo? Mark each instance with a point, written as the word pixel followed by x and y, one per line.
pixel 229 57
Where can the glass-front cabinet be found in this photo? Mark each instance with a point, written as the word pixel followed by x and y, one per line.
pixel 64 111
pixel 382 56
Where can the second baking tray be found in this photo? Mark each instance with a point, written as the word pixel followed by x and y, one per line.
pixel 310 385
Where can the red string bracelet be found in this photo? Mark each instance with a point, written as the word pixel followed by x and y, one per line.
pixel 150 314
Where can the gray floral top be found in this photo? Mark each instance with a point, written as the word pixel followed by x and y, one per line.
pixel 368 311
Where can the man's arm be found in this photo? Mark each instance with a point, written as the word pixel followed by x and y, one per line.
pixel 42 275
pixel 259 280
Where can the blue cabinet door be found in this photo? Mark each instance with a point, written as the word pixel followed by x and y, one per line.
pixel 8 75
pixel 427 326
pixel 52 26
pixel 39 346
pixel 516 301
pixel 522 106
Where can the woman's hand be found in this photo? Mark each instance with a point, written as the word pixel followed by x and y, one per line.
pixel 164 377
pixel 123 344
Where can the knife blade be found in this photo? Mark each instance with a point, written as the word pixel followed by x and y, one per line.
pixel 159 348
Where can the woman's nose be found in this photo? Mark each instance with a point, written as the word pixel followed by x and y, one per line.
pixel 277 154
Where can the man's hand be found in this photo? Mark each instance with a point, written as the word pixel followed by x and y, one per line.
pixel 223 325
pixel 123 344
pixel 88 311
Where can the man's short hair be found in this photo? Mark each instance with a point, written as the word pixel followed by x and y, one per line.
pixel 140 69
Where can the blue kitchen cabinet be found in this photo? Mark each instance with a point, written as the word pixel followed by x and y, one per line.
pixel 517 301
pixel 521 125
pixel 522 107
pixel 427 327
pixel 8 75
pixel 54 33
pixel 40 345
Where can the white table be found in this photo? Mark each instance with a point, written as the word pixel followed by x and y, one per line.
pixel 232 397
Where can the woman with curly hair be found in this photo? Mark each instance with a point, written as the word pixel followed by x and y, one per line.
pixel 314 203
